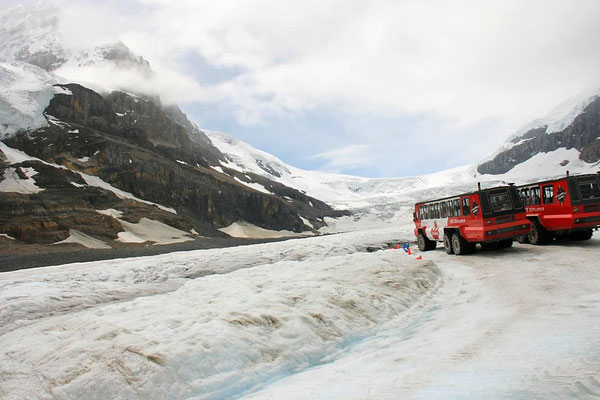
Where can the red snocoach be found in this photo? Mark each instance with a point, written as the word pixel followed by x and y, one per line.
pixel 567 207
pixel 491 217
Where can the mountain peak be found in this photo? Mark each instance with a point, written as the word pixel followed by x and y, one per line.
pixel 31 34
pixel 561 116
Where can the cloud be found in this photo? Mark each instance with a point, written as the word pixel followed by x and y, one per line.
pixel 464 63
pixel 462 59
pixel 353 157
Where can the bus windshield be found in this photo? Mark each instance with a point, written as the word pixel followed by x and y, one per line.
pixel 500 201
pixel 588 187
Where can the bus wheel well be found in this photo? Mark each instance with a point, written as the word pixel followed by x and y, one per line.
pixel 450 231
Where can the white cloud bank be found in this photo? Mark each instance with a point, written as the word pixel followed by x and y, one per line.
pixel 432 83
pixel 466 60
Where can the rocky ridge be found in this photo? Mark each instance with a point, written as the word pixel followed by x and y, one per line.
pixel 582 134
pixel 129 142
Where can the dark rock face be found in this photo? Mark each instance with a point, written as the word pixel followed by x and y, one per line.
pixel 582 135
pixel 131 143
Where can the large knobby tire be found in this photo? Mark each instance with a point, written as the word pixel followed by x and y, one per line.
pixel 538 234
pixel 523 239
pixel 461 246
pixel 422 242
pixel 582 235
pixel 448 244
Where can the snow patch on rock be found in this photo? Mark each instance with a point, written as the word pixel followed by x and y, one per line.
pixel 148 230
pixel 76 236
pixel 255 186
pixel 242 229
pixel 98 182
pixel 13 183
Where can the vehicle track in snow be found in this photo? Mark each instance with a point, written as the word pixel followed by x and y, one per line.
pixel 519 323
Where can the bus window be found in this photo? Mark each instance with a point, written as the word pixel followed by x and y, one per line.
pixel 527 199
pixel 437 210
pixel 466 206
pixel 535 196
pixel 443 211
pixel 548 194
pixel 523 194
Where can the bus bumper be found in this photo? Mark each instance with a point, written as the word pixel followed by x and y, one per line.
pixel 565 222
pixel 506 232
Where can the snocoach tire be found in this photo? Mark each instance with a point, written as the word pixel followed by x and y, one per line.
pixel 448 244
pixel 424 243
pixel 460 245
pixel 538 234
pixel 523 239
pixel 421 242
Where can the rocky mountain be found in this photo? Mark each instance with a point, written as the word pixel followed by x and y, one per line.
pixel 99 168
pixel 571 132
pixel 131 145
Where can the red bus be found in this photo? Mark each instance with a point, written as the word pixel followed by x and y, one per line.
pixel 491 217
pixel 567 207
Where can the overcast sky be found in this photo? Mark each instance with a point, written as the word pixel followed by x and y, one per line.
pixel 372 88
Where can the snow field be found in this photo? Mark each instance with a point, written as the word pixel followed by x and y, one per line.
pixel 520 323
pixel 212 337
pixel 65 288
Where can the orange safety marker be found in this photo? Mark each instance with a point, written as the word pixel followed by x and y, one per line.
pixel 398 246
pixel 418 258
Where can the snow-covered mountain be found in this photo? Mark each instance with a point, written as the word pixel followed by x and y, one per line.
pixel 126 128
pixel 567 138
pixel 32 34
pixel 25 92
pixel 81 166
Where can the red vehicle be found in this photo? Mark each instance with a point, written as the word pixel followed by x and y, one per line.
pixel 491 217
pixel 567 207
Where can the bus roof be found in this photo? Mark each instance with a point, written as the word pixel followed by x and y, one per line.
pixel 460 195
pixel 556 179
